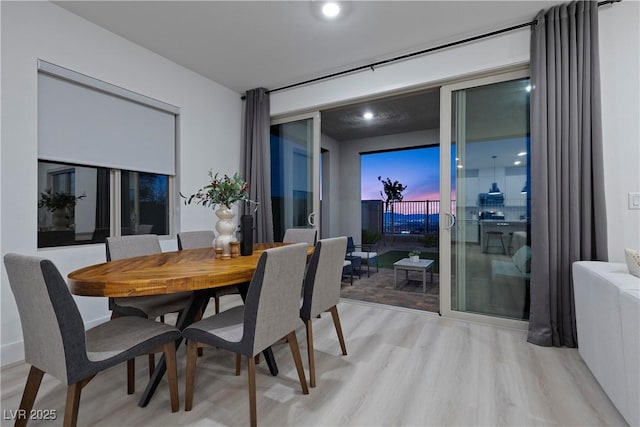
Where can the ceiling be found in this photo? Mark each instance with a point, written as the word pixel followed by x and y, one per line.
pixel 248 44
pixel 405 113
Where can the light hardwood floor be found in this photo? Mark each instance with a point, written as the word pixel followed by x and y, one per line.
pixel 403 368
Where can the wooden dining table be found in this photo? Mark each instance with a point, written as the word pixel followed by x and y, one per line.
pixel 196 270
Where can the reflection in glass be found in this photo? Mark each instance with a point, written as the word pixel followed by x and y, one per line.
pixel 144 208
pixel 491 253
pixel 73 204
pixel 291 175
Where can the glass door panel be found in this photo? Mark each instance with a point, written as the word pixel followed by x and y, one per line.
pixel 486 235
pixel 295 166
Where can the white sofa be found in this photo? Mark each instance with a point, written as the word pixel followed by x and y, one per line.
pixel 607 301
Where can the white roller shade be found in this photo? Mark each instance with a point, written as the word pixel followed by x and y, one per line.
pixel 83 125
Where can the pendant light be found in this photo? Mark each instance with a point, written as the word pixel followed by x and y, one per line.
pixel 494 185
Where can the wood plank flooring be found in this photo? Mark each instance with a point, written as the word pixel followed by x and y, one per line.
pixel 403 368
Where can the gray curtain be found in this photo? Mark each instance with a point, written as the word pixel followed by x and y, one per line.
pixel 256 167
pixel 568 221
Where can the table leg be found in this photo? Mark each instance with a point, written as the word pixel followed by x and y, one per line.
pixel 395 277
pixel 185 319
pixel 424 280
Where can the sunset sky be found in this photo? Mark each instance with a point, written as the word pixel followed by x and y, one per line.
pixel 418 169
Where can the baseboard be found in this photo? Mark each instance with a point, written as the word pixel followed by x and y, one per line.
pixel 11 353
pixel 14 352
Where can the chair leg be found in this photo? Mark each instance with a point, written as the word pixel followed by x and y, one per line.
pixel 73 403
pixel 295 352
pixel 131 376
pixel 336 323
pixel 29 396
pixel 312 362
pixel 217 303
pixel 252 391
pixel 238 363
pixel 192 357
pixel 172 374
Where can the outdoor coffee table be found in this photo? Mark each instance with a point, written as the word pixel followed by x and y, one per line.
pixel 406 264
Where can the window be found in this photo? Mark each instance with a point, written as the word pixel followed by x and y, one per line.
pixel 106 160
pixel 144 203
pixel 74 204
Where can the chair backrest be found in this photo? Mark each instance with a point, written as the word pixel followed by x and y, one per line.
pixel 130 246
pixel 300 235
pixel 351 247
pixel 52 327
pixel 196 239
pixel 272 306
pixel 323 278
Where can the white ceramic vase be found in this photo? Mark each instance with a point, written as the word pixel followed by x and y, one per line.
pixel 225 228
pixel 414 258
pixel 59 219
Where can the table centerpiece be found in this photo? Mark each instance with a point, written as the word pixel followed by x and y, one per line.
pixel 223 193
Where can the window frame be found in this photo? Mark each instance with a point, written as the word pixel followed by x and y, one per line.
pixel 115 176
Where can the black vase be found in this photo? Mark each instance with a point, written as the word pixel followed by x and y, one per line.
pixel 246 228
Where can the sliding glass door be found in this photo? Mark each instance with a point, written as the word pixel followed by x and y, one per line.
pixel 485 244
pixel 295 172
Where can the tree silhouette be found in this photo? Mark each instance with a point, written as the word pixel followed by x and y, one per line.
pixel 392 191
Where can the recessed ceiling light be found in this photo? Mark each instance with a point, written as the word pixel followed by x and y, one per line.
pixel 517 162
pixel 528 88
pixel 368 115
pixel 522 153
pixel 460 166
pixel 331 9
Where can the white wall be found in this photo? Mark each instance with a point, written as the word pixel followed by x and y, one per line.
pixel 619 47
pixel 330 216
pixel 619 69
pixel 209 132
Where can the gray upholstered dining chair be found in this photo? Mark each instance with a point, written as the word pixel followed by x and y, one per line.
pixel 56 342
pixel 204 239
pixel 270 313
pixel 300 235
pixel 149 307
pixel 321 291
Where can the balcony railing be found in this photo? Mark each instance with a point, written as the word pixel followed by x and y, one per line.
pixel 414 217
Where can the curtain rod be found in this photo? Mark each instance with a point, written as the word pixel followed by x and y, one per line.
pixel 420 52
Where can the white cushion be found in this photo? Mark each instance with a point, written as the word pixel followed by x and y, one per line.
pixel 630 316
pixel 633 261
pixel 346 263
pixel 603 326
pixel 522 259
pixel 364 255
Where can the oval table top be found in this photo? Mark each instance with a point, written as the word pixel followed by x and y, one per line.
pixel 165 273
